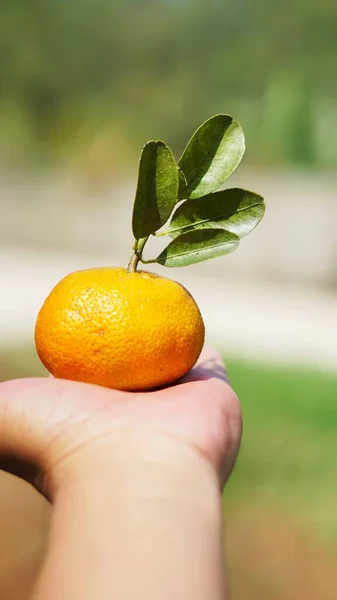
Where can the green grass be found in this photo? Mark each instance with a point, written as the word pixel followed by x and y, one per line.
pixel 289 448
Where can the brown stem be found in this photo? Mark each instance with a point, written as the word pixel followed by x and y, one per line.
pixel 133 263
pixel 137 255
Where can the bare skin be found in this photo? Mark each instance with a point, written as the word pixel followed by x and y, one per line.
pixel 135 481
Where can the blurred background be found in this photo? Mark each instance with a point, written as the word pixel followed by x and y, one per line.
pixel 83 85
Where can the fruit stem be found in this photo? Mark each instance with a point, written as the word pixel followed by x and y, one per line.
pixel 133 263
pixel 137 255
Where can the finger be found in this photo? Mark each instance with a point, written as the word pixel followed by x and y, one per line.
pixel 216 397
pixel 210 365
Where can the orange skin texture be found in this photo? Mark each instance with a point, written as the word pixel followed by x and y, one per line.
pixel 128 331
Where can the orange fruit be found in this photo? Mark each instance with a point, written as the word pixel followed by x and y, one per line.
pixel 130 331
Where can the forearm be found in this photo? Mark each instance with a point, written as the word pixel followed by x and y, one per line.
pixel 148 528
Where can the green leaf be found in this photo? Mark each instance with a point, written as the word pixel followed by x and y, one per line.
pixel 235 210
pixel 157 189
pixel 196 246
pixel 182 182
pixel 211 155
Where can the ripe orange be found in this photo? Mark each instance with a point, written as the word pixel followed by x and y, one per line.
pixel 130 331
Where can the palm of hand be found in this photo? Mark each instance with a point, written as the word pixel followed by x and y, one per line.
pixel 64 418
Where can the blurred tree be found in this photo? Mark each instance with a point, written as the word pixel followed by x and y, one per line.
pixel 158 68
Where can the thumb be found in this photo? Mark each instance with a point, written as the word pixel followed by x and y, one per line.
pixel 24 427
pixel 36 420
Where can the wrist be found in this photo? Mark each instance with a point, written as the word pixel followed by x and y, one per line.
pixel 144 503
pixel 125 455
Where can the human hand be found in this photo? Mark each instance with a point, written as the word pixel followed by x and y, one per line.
pixel 76 442
pixel 44 421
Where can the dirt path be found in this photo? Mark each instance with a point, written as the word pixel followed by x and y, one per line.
pixel 255 320
pixel 270 558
